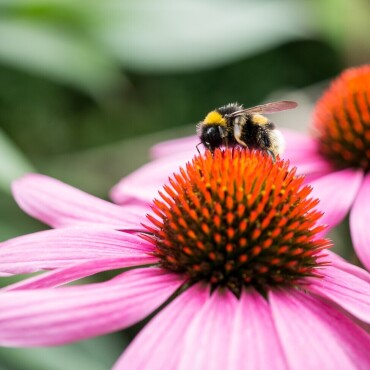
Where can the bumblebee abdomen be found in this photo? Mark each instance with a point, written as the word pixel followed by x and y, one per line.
pixel 256 132
pixel 260 120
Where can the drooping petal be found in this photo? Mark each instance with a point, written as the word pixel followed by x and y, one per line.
pixel 360 222
pixel 314 335
pixel 142 185
pixel 184 145
pixel 336 193
pixel 58 205
pixel 207 339
pixel 253 332
pixel 58 248
pixel 159 345
pixel 347 290
pixel 56 316
pixel 78 271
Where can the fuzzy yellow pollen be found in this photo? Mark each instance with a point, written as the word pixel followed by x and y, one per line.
pixel 260 120
pixel 214 118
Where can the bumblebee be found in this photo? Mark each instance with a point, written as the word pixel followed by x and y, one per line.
pixel 232 125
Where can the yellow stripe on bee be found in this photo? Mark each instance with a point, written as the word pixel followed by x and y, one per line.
pixel 259 119
pixel 214 118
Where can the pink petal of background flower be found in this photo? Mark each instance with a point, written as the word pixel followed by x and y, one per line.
pixel 143 184
pixel 336 192
pixel 360 222
pixel 57 204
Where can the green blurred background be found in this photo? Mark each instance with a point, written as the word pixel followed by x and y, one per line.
pixel 86 87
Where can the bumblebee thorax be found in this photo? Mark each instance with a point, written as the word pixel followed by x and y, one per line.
pixel 217 116
pixel 229 109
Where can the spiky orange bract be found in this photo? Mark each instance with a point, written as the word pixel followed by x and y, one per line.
pixel 236 219
pixel 342 119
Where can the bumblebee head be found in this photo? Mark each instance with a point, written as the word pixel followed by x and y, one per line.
pixel 211 130
pixel 211 136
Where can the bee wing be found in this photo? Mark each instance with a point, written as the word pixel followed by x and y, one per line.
pixel 267 108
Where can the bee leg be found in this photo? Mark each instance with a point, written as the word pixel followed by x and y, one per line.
pixel 271 154
pixel 223 135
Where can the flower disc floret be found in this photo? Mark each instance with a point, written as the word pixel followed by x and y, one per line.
pixel 342 120
pixel 235 219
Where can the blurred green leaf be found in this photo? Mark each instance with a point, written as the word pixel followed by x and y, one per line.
pixel 346 24
pixel 73 13
pixel 94 354
pixel 13 221
pixel 57 53
pixel 182 34
pixel 81 43
pixel 13 163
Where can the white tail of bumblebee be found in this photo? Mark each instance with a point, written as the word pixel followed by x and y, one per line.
pixel 280 142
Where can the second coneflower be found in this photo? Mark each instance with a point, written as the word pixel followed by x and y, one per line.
pixel 336 158
pixel 233 239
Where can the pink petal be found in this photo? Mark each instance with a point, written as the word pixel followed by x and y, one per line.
pixel 78 271
pixel 58 204
pixel 56 316
pixel 201 332
pixel 317 336
pixel 336 193
pixel 64 247
pixel 302 152
pixel 159 345
pixel 347 290
pixel 185 145
pixel 298 141
pixel 359 221
pixel 207 339
pixel 143 185
pixel 311 165
pixel 253 332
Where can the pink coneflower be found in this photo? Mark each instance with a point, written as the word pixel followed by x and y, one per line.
pixel 230 248
pixel 335 160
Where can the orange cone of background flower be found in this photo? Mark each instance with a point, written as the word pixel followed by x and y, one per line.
pixel 336 158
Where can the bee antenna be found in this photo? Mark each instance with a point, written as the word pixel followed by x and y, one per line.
pixel 197 147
